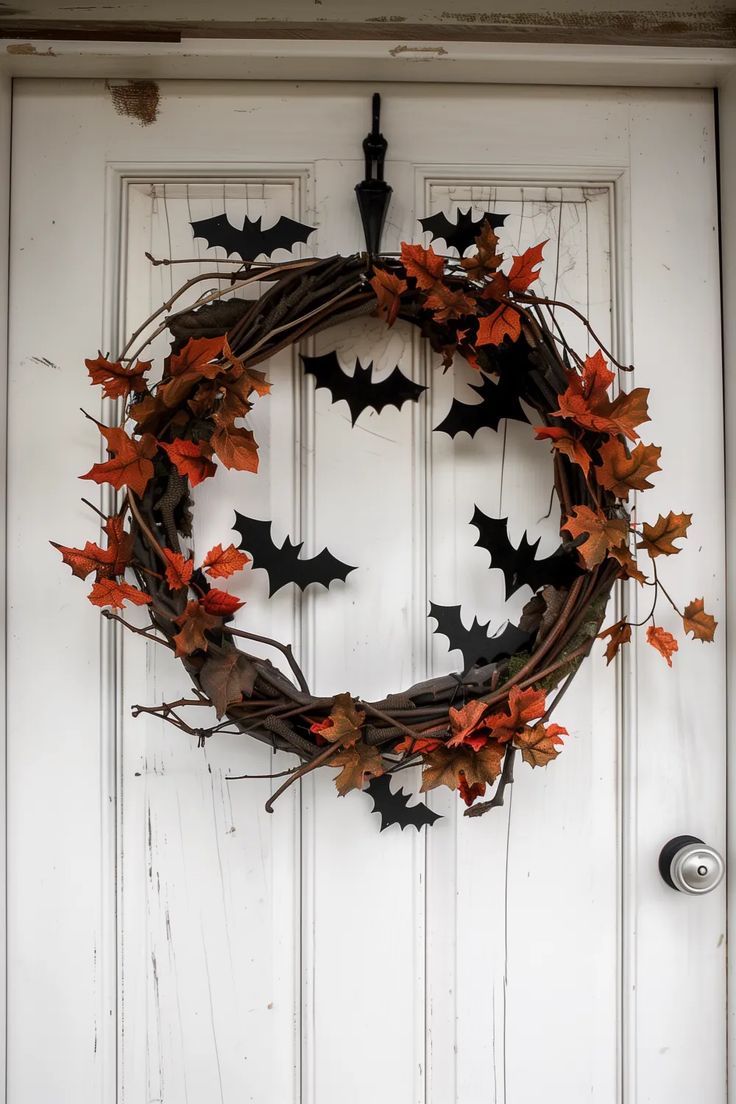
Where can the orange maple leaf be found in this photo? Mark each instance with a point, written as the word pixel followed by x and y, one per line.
pixel 220 603
pixel 388 288
pixel 446 303
pixel 657 539
pixel 603 533
pixel 524 269
pixel 424 265
pixel 116 380
pixel 701 624
pixel 620 633
pixel 492 328
pixel 198 357
pixel 538 743
pixel 344 724
pixel 130 465
pixel 620 552
pixel 178 570
pixel 236 448
pixel 356 762
pixel 446 766
pixel 220 563
pixel 467 724
pixel 417 747
pixel 663 641
pixel 563 441
pixel 622 472
pixel 523 706
pixel 190 458
pixel 628 411
pixel 83 561
pixel 115 593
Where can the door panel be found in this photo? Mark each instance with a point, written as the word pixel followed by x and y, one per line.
pixel 194 947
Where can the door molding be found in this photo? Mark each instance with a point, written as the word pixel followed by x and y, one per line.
pixel 460 62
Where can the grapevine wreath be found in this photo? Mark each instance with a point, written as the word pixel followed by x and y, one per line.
pixel 466 728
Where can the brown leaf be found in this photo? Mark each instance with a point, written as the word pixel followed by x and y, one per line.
pixel 236 448
pixel 603 533
pixel 344 724
pixel 631 570
pixel 444 766
pixel 539 744
pixel 115 593
pixel 620 633
pixel 116 380
pixel 424 265
pixel 190 458
pixel 486 260
pixel 357 762
pixel 221 564
pixel 657 539
pixel 130 465
pixel 663 641
pixel 620 472
pixel 447 303
pixel 194 622
pixel 701 624
pixel 563 441
pixel 227 678
pixel 388 288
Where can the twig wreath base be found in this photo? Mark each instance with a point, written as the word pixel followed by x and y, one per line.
pixel 465 728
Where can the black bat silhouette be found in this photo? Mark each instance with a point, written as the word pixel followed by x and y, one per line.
pixel 518 564
pixel 499 400
pixel 475 644
pixel 359 391
pixel 251 241
pixel 394 807
pixel 462 233
pixel 283 564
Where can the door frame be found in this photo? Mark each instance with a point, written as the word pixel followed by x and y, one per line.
pixel 407 61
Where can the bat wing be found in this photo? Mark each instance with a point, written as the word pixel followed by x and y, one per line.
pixel 251 241
pixel 498 401
pixel 218 231
pixel 359 391
pixel 518 565
pixel 462 233
pixel 394 808
pixel 283 564
pixel 475 644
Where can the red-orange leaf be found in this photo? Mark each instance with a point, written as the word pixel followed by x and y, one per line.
pixel 469 794
pixel 603 533
pixel 524 269
pixel 447 303
pixel 663 641
pixel 221 563
pixel 178 570
pixel 197 357
pixel 657 539
pixel 116 380
pixel 620 633
pixel 236 448
pixel 388 288
pixel 220 602
pixel 701 624
pixel 190 458
pixel 424 265
pixel 115 593
pixel 628 411
pixel 563 441
pixel 503 322
pixel 83 561
pixel 620 472
pixel 522 707
pixel 468 727
pixel 130 465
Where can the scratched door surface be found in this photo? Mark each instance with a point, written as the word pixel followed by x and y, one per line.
pixel 169 940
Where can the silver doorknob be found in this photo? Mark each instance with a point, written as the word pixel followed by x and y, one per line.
pixel 690 866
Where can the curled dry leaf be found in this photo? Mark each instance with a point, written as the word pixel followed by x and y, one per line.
pixel 630 569
pixel 696 621
pixel 469 794
pixel 344 724
pixel 620 633
pixel 657 539
pixel 663 641
pixel 190 458
pixel 227 678
pixel 220 603
pixel 486 260
pixel 468 727
pixel 220 563
pixel 563 441
pixel 388 290
pixel 193 623
pixel 603 533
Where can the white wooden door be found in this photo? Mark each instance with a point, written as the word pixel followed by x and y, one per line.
pixel 170 941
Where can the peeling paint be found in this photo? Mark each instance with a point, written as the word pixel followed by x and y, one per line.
pixel 137 99
pixel 422 51
pixel 28 48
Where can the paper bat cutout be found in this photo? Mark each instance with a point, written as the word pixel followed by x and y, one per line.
pixel 475 644
pixel 499 400
pixel 518 564
pixel 283 564
pixel 359 391
pixel 394 807
pixel 251 241
pixel 462 233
